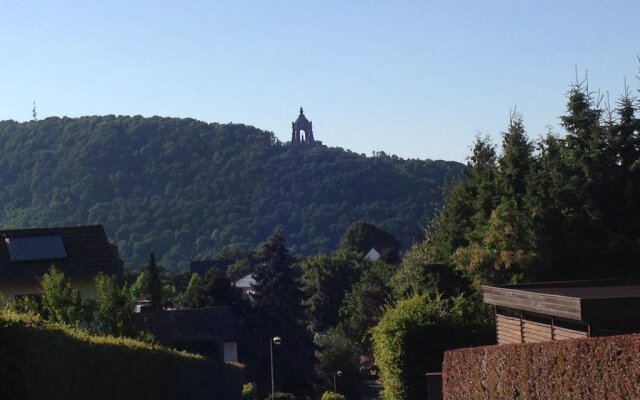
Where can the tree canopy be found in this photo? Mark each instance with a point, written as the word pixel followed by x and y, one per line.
pixel 562 207
pixel 187 190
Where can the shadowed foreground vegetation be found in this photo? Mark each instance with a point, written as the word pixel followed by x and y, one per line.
pixel 41 360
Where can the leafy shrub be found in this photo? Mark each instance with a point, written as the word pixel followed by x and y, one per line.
pixel 49 361
pixel 114 308
pixel 596 368
pixel 411 338
pixel 332 396
pixel 60 302
pixel 249 391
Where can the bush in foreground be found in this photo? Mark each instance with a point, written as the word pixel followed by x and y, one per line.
pixel 411 338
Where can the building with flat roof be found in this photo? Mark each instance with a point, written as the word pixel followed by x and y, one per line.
pixel 538 312
pixel 173 327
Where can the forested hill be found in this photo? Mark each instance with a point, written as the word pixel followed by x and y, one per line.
pixel 186 190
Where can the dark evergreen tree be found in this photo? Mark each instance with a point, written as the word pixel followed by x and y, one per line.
pixel 277 311
pixel 626 133
pixel 587 162
pixel 154 283
pixel 515 161
pixel 276 289
pixel 217 287
pixel 561 213
pixel 325 280
pixel 551 193
pixel 483 171
pixel 587 141
pixel 623 207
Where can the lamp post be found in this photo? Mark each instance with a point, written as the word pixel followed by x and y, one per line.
pixel 339 374
pixel 274 340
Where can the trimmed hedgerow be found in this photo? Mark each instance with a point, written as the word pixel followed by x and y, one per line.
pixel 597 368
pixel 44 361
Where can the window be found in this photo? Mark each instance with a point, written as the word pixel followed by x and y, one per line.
pixel 31 248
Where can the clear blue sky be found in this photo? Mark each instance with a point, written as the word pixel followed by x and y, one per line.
pixel 418 79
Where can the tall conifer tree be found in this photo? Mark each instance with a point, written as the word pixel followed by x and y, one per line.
pixel 278 312
pixel 154 284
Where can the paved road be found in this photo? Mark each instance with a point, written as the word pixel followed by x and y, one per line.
pixel 371 390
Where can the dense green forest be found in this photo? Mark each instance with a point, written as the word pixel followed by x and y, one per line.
pixel 186 190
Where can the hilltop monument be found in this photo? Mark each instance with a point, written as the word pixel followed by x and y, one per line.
pixel 304 125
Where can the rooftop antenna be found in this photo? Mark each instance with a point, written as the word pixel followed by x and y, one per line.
pixel 35 114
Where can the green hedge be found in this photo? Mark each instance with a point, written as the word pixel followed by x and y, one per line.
pixel 43 361
pixel 598 368
pixel 412 336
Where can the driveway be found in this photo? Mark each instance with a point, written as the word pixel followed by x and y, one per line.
pixel 371 389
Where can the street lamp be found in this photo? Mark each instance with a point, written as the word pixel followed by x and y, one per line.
pixel 339 374
pixel 274 340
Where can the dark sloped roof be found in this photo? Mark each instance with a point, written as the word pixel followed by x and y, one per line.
pixel 201 267
pixel 87 248
pixel 170 326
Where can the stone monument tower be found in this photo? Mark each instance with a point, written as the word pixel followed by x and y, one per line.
pixel 302 124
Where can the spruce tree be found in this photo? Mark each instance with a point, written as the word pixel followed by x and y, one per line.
pixel 154 283
pixel 217 287
pixel 626 133
pixel 277 311
pixel 515 160
pixel 276 288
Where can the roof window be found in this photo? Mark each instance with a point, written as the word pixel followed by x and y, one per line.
pixel 31 248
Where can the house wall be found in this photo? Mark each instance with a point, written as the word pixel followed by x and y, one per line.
pixel 9 290
pixel 560 333
pixel 535 332
pixel 527 328
pixel 508 329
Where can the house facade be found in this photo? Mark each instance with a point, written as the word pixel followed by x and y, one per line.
pixel 174 328
pixel 245 285
pixel 80 252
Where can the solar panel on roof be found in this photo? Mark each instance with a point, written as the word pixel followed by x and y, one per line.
pixel 31 248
